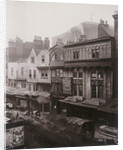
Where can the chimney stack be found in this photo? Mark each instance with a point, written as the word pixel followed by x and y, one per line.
pixel 46 43
pixel 38 43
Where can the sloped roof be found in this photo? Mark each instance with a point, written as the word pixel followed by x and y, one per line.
pixel 109 30
pixel 37 51
pixel 89 29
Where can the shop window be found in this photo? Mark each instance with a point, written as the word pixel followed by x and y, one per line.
pixel 97 87
pixel 80 90
pixel 74 89
pixel 80 73
pixel 100 91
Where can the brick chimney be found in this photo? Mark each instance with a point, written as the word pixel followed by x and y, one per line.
pixel 103 25
pixel 46 43
pixel 38 42
pixel 82 38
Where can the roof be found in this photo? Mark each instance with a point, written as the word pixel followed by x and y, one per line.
pixel 109 30
pixel 90 41
pixel 43 97
pixel 19 91
pixel 57 45
pixel 37 51
pixel 89 29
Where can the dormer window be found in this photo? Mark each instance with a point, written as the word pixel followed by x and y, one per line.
pixel 32 59
pixel 57 56
pixel 42 58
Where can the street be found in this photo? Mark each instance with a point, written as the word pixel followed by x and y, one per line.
pixel 49 130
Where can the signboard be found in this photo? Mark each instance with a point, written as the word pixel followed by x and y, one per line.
pixel 67 86
pixel 14 137
pixel 57 79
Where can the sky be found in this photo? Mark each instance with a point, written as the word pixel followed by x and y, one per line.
pixel 46 19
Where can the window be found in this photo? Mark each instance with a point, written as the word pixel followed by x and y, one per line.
pixel 14 83
pixel 59 72
pixel 97 84
pixel 43 58
pixel 23 84
pixel 22 71
pixel 57 56
pixel 34 87
pixel 32 60
pixel 29 87
pixel 80 73
pixel 95 52
pixel 100 75
pixel 44 74
pixel 80 90
pixel 12 71
pixel 34 73
pixel 93 91
pixel 75 73
pixel 30 74
pixel 76 54
pixel 75 89
pixel 78 82
pixel 93 75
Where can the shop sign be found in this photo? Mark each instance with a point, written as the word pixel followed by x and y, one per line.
pixel 67 86
pixel 57 79
pixel 14 137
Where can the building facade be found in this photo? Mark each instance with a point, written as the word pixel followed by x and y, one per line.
pixel 89 64
pixel 44 73
pixel 57 72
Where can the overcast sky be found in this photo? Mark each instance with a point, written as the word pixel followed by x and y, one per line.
pixel 27 19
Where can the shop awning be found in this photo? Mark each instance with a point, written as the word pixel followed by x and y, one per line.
pixel 19 91
pixel 43 97
pixel 110 107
